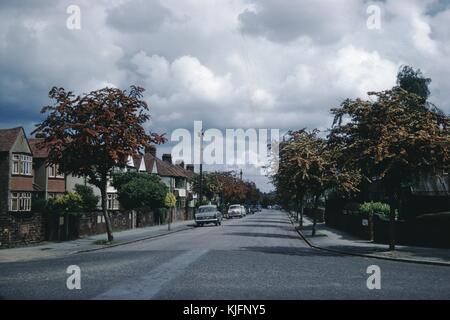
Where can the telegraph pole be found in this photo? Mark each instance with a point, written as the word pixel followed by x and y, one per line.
pixel 240 174
pixel 202 133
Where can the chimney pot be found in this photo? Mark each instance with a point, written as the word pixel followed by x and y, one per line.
pixel 151 149
pixel 167 157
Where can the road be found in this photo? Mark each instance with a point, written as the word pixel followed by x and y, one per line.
pixel 258 257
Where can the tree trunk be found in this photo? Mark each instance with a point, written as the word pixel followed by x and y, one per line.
pixel 392 224
pixel 106 214
pixel 316 204
pixel 301 212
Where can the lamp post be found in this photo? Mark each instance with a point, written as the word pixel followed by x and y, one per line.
pixel 201 133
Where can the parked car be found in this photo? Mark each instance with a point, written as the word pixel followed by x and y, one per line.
pixel 235 210
pixel 244 212
pixel 208 214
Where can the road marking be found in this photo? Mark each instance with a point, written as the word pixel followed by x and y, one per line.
pixel 148 286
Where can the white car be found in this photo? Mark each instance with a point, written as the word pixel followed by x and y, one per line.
pixel 235 210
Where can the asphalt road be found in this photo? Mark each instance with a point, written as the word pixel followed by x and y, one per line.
pixel 258 257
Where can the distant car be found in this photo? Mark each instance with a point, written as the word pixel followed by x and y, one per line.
pixel 208 214
pixel 235 210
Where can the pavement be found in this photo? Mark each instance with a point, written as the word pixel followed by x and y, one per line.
pixel 341 242
pixel 260 256
pixel 46 250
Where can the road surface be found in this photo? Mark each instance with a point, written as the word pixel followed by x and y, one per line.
pixel 258 257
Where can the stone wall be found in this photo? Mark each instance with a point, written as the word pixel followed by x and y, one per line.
pixel 20 228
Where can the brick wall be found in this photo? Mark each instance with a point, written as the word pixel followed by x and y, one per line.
pixel 56 185
pixel 19 183
pixel 4 181
pixel 20 228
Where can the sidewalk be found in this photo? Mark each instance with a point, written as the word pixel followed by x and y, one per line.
pixel 45 250
pixel 338 241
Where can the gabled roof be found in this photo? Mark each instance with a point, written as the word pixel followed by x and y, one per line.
pixel 38 151
pixel 139 162
pixel 165 169
pixel 8 137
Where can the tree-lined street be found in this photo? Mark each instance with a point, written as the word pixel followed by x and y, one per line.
pixel 258 257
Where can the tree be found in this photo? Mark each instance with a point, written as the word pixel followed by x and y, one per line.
pixel 91 134
pixel 413 81
pixel 316 169
pixel 210 185
pixel 170 202
pixel 90 200
pixel 289 185
pixel 389 141
pixel 137 190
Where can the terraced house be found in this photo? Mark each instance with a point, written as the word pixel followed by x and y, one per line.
pixel 48 182
pixel 17 223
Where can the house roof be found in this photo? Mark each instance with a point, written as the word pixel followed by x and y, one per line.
pixel 8 137
pixel 38 151
pixel 432 186
pixel 164 168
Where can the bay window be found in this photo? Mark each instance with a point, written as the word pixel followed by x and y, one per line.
pixel 22 164
pixel 20 201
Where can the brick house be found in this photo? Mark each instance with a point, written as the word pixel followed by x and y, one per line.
pixel 174 176
pixel 18 225
pixel 48 181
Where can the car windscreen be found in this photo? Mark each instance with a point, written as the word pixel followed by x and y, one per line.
pixel 235 207
pixel 206 209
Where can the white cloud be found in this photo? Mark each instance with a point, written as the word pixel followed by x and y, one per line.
pixel 237 63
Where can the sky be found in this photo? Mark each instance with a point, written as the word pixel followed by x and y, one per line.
pixel 229 63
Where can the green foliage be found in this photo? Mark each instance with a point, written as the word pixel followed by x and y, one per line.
pixel 90 200
pixel 371 208
pixel 161 214
pixel 413 81
pixel 39 205
pixel 136 190
pixel 69 203
pixel 170 200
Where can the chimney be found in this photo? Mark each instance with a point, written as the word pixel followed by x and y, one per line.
pixel 180 163
pixel 190 167
pixel 167 157
pixel 151 149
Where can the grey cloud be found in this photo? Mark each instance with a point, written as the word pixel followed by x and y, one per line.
pixel 284 20
pixel 138 16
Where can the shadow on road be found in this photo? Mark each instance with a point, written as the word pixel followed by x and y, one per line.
pixel 263 235
pixel 266 221
pixel 292 251
pixel 248 225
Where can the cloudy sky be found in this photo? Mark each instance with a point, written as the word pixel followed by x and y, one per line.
pixel 230 63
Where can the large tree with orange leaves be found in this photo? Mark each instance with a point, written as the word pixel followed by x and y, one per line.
pixel 90 134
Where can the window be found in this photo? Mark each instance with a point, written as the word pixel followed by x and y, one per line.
pixel 53 172
pixel 20 201
pixel 112 203
pixel 22 164
pixel 180 183
pixel 181 203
